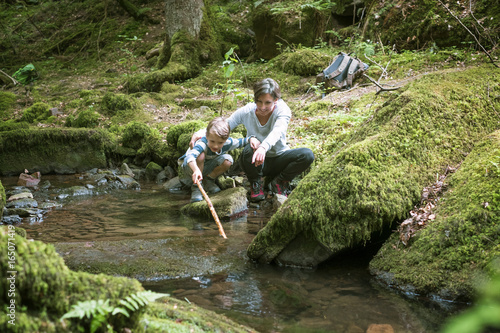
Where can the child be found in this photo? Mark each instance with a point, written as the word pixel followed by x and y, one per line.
pixel 209 159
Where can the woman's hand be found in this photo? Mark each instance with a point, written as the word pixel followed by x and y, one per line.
pixel 259 156
pixel 254 143
pixel 194 138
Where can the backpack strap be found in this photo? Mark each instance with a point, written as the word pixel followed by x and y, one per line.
pixel 353 67
pixel 340 68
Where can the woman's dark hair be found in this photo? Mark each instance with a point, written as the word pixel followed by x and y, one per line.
pixel 266 86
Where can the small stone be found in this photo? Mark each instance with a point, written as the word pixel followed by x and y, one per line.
pixel 380 328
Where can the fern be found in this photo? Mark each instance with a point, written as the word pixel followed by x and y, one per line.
pixel 99 312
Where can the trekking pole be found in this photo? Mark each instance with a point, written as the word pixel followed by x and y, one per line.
pixel 212 209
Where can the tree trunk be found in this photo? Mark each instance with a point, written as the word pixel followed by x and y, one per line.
pixel 184 15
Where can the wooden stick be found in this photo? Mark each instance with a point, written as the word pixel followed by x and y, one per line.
pixel 212 209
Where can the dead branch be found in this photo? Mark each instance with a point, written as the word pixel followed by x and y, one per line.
pixel 10 77
pixel 378 85
pixel 479 24
pixel 470 32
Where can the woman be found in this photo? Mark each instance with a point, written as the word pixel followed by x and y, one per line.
pixel 267 119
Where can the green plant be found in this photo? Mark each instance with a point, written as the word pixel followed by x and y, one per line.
pixel 318 88
pixel 95 314
pixel 484 314
pixel 229 66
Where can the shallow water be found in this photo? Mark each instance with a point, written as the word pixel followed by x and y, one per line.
pixel 335 297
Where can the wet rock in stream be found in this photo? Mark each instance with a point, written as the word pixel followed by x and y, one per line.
pixel 152 260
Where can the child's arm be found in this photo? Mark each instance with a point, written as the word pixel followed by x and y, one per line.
pixel 197 174
pixel 254 142
pixel 238 143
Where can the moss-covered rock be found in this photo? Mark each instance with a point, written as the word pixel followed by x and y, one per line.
pixel 134 134
pixel 378 177
pixel 177 135
pixel 454 251
pixel 87 118
pixel 38 112
pixel 227 204
pixel 45 288
pixel 303 62
pixel 53 150
pixel 152 170
pixel 412 27
pixel 122 108
pixel 286 24
pixel 12 125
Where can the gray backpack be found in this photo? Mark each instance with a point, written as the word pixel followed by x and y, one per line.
pixel 342 71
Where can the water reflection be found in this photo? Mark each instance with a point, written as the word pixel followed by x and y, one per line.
pixel 335 297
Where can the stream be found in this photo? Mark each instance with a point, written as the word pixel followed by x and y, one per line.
pixel 338 296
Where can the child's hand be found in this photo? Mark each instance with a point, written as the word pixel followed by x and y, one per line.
pixel 197 176
pixel 254 143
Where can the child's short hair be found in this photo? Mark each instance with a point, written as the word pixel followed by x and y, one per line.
pixel 219 127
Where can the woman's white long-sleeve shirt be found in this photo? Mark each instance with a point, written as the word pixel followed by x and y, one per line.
pixel 272 135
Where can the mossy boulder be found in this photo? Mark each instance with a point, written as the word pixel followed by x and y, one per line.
pixel 134 134
pixel 453 252
pixel 303 62
pixel 412 27
pixel 377 178
pixel 12 125
pixel 53 150
pixel 38 112
pixel 152 170
pixel 227 204
pixel 87 118
pixel 178 136
pixel 45 288
pixel 275 24
pixel 122 108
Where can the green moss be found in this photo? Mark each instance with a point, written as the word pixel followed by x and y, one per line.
pixel 12 125
pixel 303 62
pixel 7 103
pixel 189 127
pixel 152 170
pixel 87 118
pixel 113 103
pixel 46 288
pixel 134 134
pixel 184 63
pixel 377 178
pixel 457 247
pixel 53 150
pixel 38 112
pixel 177 316
pixel 412 27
